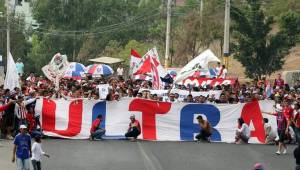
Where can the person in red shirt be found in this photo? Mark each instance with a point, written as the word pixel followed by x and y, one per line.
pixel 4 107
pixel 287 112
pixel 134 129
pixel 96 131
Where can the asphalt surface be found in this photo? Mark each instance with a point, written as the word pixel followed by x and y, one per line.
pixel 144 155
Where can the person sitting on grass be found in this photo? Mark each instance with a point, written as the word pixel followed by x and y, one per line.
pixel 242 133
pixel 134 129
pixel 205 130
pixel 96 131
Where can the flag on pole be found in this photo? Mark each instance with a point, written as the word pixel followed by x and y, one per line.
pixel 12 78
pixel 150 64
pixel 135 58
pixel 198 63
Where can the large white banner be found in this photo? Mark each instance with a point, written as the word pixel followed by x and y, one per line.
pixel 160 121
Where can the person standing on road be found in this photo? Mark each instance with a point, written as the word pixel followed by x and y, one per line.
pixel 96 131
pixel 22 149
pixel 282 129
pixel 297 157
pixel 205 129
pixel 134 129
pixel 37 153
pixel 242 133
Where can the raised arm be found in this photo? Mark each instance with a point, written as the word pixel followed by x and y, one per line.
pixel 4 107
pixel 268 113
pixel 27 102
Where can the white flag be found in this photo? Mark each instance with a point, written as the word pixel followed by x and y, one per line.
pixel 56 68
pixel 200 62
pixel 12 78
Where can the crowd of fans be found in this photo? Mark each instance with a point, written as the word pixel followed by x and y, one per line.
pixel 22 100
pixel 18 105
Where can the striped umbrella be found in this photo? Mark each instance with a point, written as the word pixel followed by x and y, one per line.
pixel 75 71
pixel 99 69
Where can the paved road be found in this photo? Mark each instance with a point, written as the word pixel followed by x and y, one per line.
pixel 143 155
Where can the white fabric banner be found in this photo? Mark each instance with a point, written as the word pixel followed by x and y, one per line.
pixel 160 121
pixel 11 78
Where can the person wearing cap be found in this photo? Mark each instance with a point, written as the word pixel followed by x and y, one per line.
pixel 37 153
pixel 282 129
pixel 96 131
pixel 22 149
pixel 134 129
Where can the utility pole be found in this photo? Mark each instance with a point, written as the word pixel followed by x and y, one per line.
pixel 7 28
pixel 201 11
pixel 167 54
pixel 226 51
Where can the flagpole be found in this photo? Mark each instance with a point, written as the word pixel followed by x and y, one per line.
pixel 167 54
pixel 7 29
pixel 226 51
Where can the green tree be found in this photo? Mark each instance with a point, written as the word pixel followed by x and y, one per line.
pixel 259 51
pixel 19 45
pixel 193 33
pixel 140 47
pixel 86 29
pixel 289 23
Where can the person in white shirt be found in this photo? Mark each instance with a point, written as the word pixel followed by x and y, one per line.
pixel 37 153
pixel 223 72
pixel 269 132
pixel 242 133
pixel 31 78
pixel 120 71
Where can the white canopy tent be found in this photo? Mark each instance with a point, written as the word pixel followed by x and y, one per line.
pixel 106 60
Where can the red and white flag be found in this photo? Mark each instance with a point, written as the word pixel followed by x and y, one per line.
pixel 135 59
pixel 150 64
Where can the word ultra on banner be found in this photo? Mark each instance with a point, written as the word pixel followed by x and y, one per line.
pixel 161 121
